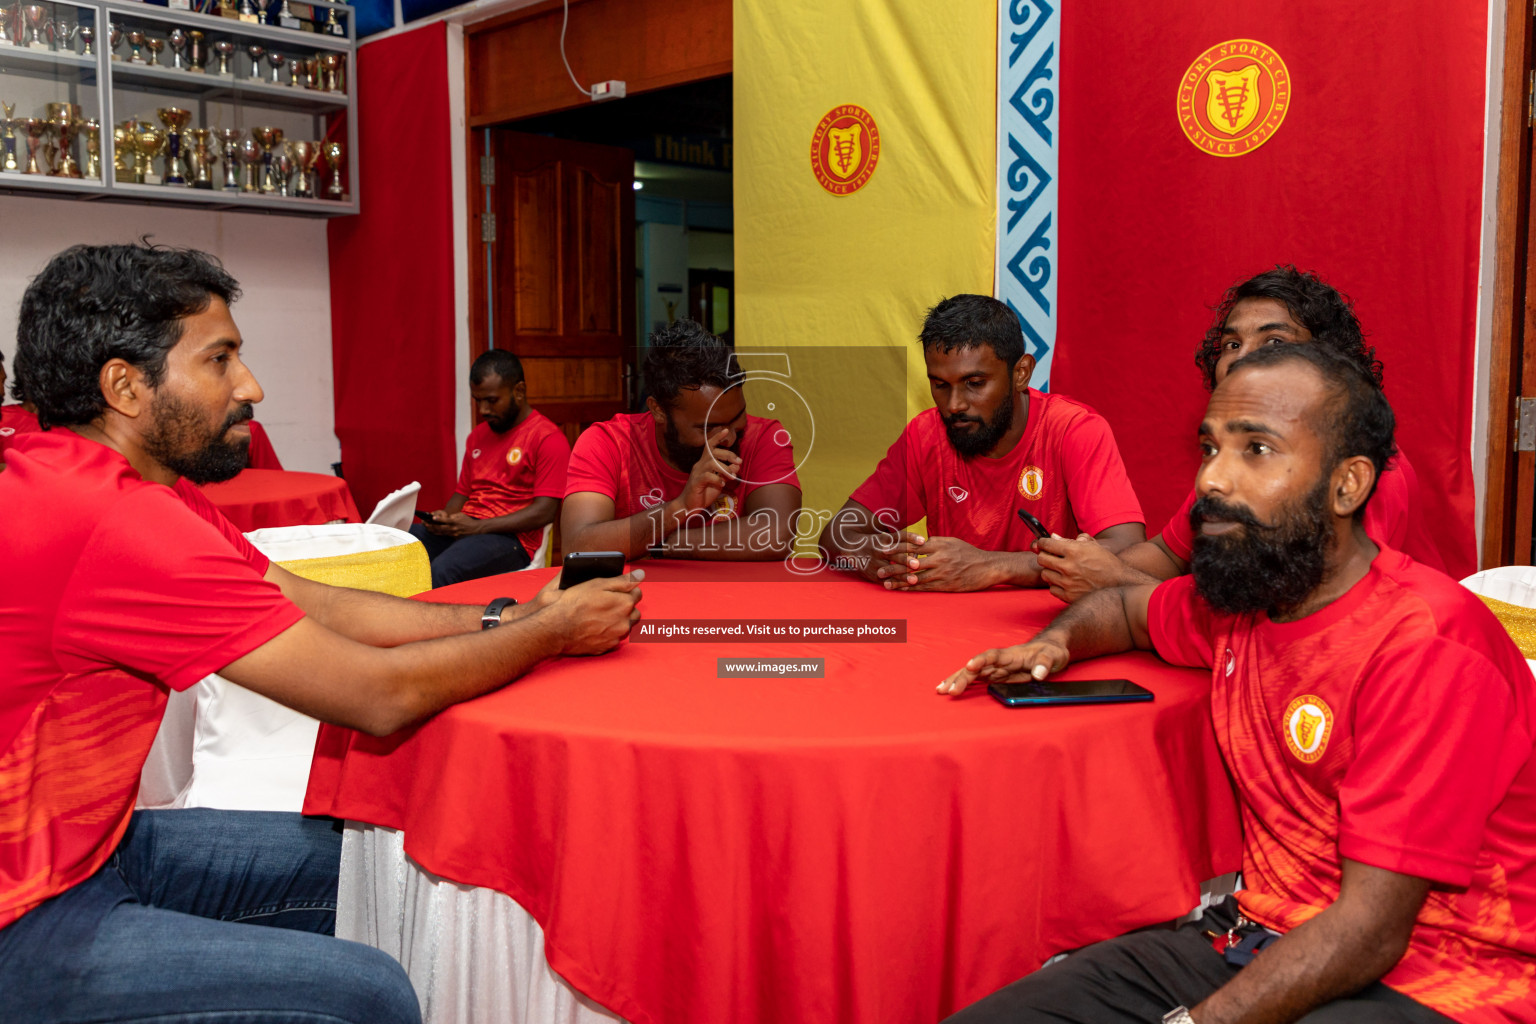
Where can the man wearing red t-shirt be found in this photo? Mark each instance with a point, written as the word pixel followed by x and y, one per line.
pixel 691 477
pixel 510 485
pixel 139 586
pixel 1377 723
pixel 14 419
pixel 1280 306
pixel 990 449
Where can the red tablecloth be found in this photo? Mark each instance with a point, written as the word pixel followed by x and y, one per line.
pixel 279 497
pixel 852 848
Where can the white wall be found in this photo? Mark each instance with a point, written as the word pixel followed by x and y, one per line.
pixel 284 314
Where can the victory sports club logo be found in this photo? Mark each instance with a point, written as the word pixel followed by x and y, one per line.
pixel 1308 724
pixel 844 149
pixel 1234 97
pixel 514 456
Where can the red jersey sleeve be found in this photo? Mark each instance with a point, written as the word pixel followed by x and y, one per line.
pixel 594 464
pixel 1098 486
pixel 891 489
pixel 551 461
pixel 1436 738
pixel 465 484
pixel 173 612
pixel 1178 535
pixel 772 459
pixel 1182 626
pixel 198 502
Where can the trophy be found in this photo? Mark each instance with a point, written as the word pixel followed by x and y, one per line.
pixel 331 65
pixel 305 72
pixel 268 139
pixel 155 46
pixel 7 34
pixel 277 61
pixel 333 153
pixel 175 120
pixel 250 156
pixel 333 25
pixel 201 159
pixel 35 129
pixel 282 173
pixel 304 156
pixel 261 12
pixel 229 139
pixel 92 131
pixel 197 52
pixel 149 141
pixel 247 12
pixel 255 52
pixel 87 37
pixel 114 36
pixel 8 139
pixel 178 41
pixel 34 22
pixel 224 49
pixel 63 38
pixel 286 17
pixel 63 125
pixel 125 150
pixel 136 44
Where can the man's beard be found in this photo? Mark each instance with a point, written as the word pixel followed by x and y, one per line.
pixel 504 424
pixel 1257 567
pixel 686 456
pixel 178 441
pixel 970 444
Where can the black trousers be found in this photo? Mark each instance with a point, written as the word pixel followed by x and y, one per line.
pixel 1141 976
pixel 456 559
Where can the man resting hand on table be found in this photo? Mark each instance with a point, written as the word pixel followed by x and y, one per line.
pixel 131 583
pixel 990 447
pixel 1375 718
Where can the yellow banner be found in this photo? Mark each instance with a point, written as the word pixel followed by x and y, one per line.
pixel 864 193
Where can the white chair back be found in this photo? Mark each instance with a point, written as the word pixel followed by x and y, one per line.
pixel 540 559
pixel 1512 584
pixel 395 509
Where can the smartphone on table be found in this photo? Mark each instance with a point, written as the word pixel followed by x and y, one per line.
pixel 580 566
pixel 1038 693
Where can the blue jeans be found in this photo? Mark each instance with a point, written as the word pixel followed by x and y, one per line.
pixel 456 559
pixel 170 931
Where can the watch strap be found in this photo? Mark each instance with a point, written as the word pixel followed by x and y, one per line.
pixel 491 617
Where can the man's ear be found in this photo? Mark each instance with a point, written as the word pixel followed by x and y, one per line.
pixel 657 412
pixel 123 388
pixel 1023 370
pixel 520 392
pixel 1351 485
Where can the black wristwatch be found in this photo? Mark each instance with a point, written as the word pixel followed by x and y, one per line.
pixel 491 617
pixel 656 551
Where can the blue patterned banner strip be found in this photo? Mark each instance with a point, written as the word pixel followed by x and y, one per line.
pixel 1028 41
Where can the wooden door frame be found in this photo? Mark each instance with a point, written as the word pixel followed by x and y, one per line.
pixel 1506 534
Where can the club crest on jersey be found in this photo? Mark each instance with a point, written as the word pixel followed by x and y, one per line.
pixel 1308 725
pixel 652 498
pixel 1234 97
pixel 514 456
pixel 1031 482
pixel 723 508
pixel 958 493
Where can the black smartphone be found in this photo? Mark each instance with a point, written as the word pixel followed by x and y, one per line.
pixel 1034 524
pixel 580 566
pixel 1068 691
pixel 426 517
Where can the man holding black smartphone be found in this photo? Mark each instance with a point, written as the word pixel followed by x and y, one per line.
pixel 1377 722
pixel 993 466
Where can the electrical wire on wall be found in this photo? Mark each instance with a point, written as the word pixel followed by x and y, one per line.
pixel 565 18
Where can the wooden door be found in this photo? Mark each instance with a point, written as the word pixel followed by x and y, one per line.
pixel 560 271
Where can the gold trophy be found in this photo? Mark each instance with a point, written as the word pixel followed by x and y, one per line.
pixel 333 154
pixel 35 26
pixel 125 150
pixel 136 46
pixel 268 139
pixel 282 173
pixel 250 156
pixel 201 159
pixel 155 47
pixel 175 120
pixel 92 131
pixel 229 139
pixel 304 154
pixel 149 143
pixel 114 36
pixel 8 163
pixel 36 130
pixel 63 125
pixel 331 65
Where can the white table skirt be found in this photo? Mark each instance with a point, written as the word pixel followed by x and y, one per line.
pixel 474 955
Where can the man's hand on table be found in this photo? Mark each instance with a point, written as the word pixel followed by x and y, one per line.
pixel 1073 569
pixel 597 615
pixel 1035 660
pixel 937 563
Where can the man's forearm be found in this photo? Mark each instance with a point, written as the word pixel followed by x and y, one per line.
pixel 1098 624
pixel 382 620
pixel 758 536
pixel 631 535
pixel 1150 561
pixel 521 521
pixel 1019 568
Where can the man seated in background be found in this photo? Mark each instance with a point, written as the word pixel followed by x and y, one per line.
pixel 1280 306
pixel 693 476
pixel 510 484
pixel 1377 723
pixel 133 585
pixel 14 419
pixel 990 447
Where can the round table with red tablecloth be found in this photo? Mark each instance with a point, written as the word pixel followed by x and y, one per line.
pixel 259 498
pixel 846 848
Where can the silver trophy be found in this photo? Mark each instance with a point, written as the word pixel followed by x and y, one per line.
pixel 35 26
pixel 276 60
pixel 250 156
pixel 87 37
pixel 114 36
pixel 229 145
pixel 256 53
pixel 136 46
pixel 178 41
pixel 224 49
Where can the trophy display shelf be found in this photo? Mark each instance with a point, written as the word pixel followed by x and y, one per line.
pixel 20 58
pixel 216 87
pixel 121 11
